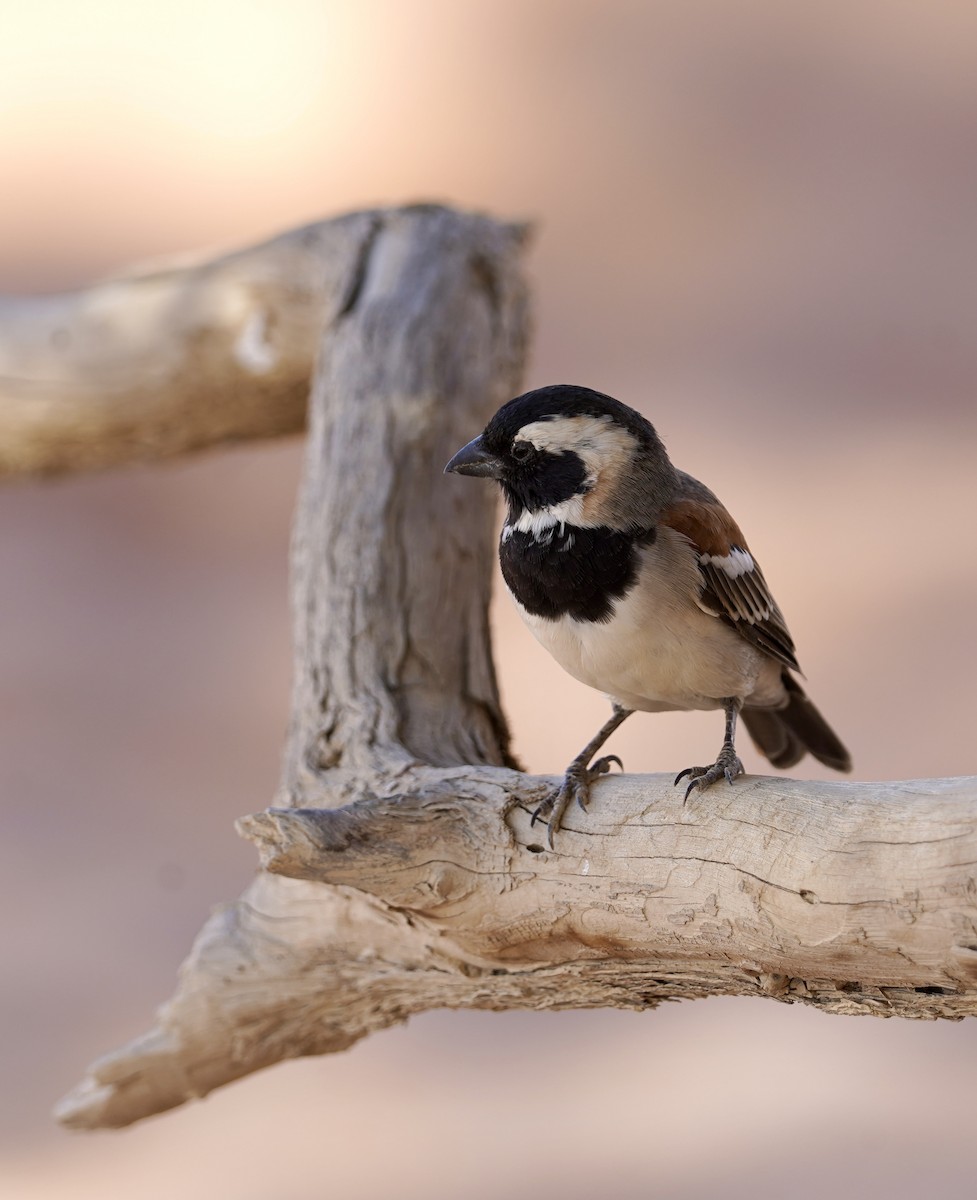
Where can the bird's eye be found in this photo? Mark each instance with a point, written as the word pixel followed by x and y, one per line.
pixel 522 451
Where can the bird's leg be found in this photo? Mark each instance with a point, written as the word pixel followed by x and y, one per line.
pixel 580 774
pixel 727 763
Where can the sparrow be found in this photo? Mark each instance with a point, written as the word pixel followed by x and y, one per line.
pixel 637 580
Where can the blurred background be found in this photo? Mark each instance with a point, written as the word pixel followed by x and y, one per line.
pixel 758 223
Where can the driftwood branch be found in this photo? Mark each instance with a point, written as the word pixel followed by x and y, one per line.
pixel 401 869
pixel 856 897
pixel 176 359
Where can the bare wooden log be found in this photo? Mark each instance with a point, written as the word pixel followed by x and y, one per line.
pixel 402 872
pixel 176 359
pixel 852 896
pixel 446 897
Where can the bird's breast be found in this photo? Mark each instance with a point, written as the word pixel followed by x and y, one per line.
pixel 619 614
pixel 569 570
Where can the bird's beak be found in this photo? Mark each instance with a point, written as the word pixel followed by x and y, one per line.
pixel 474 459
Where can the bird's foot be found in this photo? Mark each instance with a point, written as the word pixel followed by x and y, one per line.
pixel 727 764
pixel 575 786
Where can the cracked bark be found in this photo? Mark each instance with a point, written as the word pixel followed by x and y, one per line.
pixel 772 886
pixel 401 872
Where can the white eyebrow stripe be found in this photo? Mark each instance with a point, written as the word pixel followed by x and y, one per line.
pixel 598 439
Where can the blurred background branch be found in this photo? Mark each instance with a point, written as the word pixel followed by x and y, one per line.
pixel 174 358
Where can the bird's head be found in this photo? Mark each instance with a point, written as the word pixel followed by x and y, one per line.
pixel 576 451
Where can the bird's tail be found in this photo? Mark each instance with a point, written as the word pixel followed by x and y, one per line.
pixel 785 735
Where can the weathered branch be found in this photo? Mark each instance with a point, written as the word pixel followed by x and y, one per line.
pixel 402 872
pixel 184 357
pixel 854 896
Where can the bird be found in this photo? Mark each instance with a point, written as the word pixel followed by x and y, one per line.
pixel 640 584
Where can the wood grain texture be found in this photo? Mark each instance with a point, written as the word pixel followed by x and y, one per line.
pixel 391 560
pixel 401 869
pixel 867 888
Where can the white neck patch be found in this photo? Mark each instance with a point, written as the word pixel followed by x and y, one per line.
pixel 544 520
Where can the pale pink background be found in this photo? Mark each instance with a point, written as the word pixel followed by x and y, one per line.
pixel 757 222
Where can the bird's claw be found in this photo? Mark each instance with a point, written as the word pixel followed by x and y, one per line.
pixel 727 764
pixel 543 810
pixel 602 766
pixel 575 786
